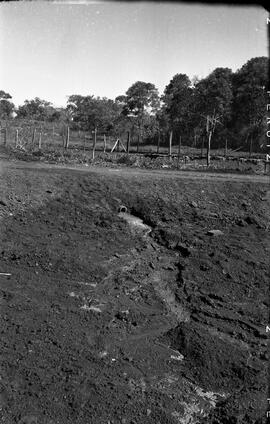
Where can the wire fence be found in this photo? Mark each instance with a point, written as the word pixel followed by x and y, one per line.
pixel 35 136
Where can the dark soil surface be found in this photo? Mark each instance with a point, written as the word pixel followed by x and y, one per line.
pixel 105 323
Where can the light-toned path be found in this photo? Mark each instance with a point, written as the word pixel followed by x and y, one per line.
pixel 134 172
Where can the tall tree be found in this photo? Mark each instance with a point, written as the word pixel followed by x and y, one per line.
pixel 250 98
pixel 141 104
pixel 213 102
pixel 177 102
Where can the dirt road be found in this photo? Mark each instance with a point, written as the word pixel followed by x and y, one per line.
pixel 103 322
pixel 137 172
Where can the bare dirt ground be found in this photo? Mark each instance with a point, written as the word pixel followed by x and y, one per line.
pixel 104 321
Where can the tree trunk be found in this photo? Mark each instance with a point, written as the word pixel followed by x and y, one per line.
pixel 208 155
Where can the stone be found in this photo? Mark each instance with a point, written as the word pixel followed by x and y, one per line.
pixel 215 233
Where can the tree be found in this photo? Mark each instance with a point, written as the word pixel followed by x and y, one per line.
pixel 6 106
pixel 177 102
pixel 213 102
pixel 142 97
pixel 140 105
pixel 250 98
pixel 35 109
pixel 93 113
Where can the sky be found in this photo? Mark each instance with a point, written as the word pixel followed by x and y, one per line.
pixel 55 49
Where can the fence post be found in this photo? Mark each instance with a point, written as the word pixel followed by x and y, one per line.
pixel 105 143
pixel 67 138
pixel 5 136
pixel 33 136
pixel 39 141
pixel 158 143
pixel 128 141
pixel 179 151
pixel 250 147
pixel 94 144
pixel 208 154
pixel 17 138
pixel 53 132
pixel 84 142
pixel 170 144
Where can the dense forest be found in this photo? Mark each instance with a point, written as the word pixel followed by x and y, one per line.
pixel 224 106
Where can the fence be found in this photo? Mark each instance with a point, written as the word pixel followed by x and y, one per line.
pixel 39 136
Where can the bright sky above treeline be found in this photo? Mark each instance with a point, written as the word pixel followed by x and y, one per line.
pixel 54 49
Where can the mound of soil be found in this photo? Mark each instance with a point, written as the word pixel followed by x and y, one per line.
pixel 208 361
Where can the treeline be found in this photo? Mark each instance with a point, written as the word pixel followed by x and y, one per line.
pixel 225 107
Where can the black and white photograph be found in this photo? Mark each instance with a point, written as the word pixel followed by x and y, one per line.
pixel 134 212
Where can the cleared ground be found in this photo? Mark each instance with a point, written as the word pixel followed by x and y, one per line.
pixel 104 322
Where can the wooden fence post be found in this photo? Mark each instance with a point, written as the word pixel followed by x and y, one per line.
pixel 250 146
pixel 17 138
pixel 105 143
pixel 94 144
pixel 202 146
pixel 208 159
pixel 209 129
pixel 33 136
pixel 5 136
pixel 170 144
pixel 138 142
pixel 39 141
pixel 128 141
pixel 158 143
pixel 67 138
pixel 179 150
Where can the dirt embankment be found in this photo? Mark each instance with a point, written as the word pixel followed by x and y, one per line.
pixel 102 323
